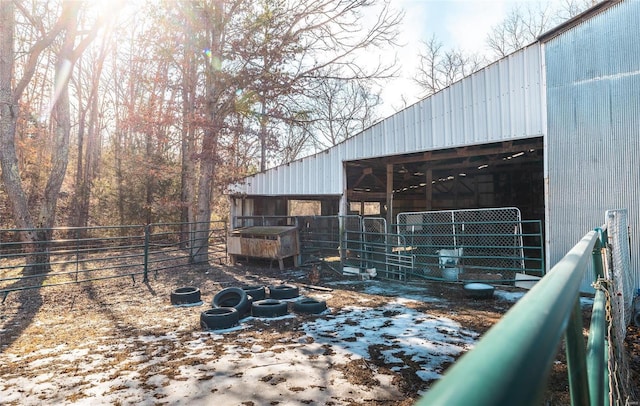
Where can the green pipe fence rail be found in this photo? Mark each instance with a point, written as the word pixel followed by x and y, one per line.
pixel 83 254
pixel 512 361
pixel 495 248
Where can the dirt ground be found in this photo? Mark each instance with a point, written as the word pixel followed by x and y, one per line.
pixel 130 324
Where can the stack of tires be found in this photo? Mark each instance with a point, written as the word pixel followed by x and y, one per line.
pixel 274 306
pixel 233 303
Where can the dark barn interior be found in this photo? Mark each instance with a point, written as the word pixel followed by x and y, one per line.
pixel 506 174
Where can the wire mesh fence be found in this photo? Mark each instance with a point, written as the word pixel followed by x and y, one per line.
pixel 75 255
pixel 481 241
pixel 319 238
pixel 621 281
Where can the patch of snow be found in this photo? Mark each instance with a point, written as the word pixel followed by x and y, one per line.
pixel 149 339
pixel 207 367
pixel 195 304
pixel 508 296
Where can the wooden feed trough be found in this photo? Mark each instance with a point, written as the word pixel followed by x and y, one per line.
pixel 270 242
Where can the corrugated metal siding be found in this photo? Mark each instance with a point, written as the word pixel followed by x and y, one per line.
pixel 500 102
pixel 593 87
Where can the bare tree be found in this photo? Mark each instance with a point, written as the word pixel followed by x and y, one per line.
pixel 339 111
pixel 290 48
pixel 523 25
pixel 440 67
pixel 89 131
pixel 268 53
pixel 65 29
pixel 571 8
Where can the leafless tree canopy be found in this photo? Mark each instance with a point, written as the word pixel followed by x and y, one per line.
pixel 439 66
pixel 138 112
pixel 523 24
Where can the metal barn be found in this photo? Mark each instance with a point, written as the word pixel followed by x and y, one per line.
pixel 552 130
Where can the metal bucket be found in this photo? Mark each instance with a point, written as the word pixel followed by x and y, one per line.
pixel 450 274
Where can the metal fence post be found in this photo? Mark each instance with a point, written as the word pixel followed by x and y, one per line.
pixel 596 344
pixel 597 253
pixel 147 231
pixel 77 238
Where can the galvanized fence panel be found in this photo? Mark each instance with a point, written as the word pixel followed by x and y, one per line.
pixel 71 255
pixel 352 241
pixel 480 241
pixel 168 246
pixel 622 274
pixel 331 238
pixel 75 255
pixel 319 238
pixel 486 248
pixel 386 256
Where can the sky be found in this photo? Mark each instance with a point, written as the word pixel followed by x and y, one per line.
pixel 461 24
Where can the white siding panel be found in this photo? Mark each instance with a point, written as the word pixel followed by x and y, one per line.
pixel 501 102
pixel 279 179
pixel 413 126
pixel 469 105
pixel 305 186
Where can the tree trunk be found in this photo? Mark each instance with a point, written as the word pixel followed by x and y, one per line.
pixel 92 154
pixel 188 174
pixel 9 112
pixel 76 217
pixel 88 153
pixel 60 152
pixel 263 135
pixel 148 179
pixel 209 138
pixel 203 213
pixel 187 167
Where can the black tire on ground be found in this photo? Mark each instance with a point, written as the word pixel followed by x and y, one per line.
pixel 269 308
pixel 219 318
pixel 283 291
pixel 309 305
pixel 186 295
pixel 258 292
pixel 232 297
